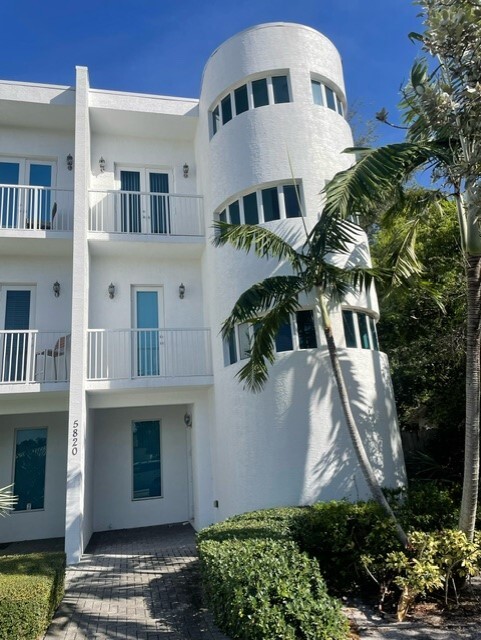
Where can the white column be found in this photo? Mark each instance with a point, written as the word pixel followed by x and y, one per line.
pixel 76 536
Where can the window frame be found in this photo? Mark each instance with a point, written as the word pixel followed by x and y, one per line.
pixel 370 326
pixel 161 465
pixel 14 465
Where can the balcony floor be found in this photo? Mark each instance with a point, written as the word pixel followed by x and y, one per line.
pixel 146 245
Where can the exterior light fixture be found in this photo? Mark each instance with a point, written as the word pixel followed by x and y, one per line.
pixel 181 291
pixel 102 164
pixel 188 419
pixel 111 290
pixel 56 289
pixel 69 162
pixel 186 170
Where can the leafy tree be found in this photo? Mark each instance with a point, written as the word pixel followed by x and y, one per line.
pixel 267 306
pixel 442 112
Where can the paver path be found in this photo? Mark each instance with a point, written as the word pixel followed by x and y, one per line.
pixel 135 584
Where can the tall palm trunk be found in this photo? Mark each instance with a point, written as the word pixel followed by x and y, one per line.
pixel 467 518
pixel 352 427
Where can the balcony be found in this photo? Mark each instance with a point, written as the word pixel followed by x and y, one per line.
pixel 26 208
pixel 32 356
pixel 160 215
pixel 168 356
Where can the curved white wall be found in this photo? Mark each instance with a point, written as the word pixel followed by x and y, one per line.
pixel 286 445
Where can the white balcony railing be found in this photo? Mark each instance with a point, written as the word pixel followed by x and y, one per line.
pixel 116 354
pixel 40 208
pixel 166 214
pixel 34 356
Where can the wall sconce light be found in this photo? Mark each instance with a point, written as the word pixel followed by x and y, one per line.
pixel 186 170
pixel 56 289
pixel 102 164
pixel 69 162
pixel 181 291
pixel 187 419
pixel 111 290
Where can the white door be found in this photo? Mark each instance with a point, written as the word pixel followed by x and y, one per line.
pixel 144 201
pixel 147 305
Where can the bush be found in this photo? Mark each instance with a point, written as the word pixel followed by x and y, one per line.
pixel 426 505
pixel 350 541
pixel 260 586
pixel 31 587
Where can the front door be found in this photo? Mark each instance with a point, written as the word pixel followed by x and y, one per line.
pixel 141 209
pixel 17 305
pixel 148 316
pixel 21 207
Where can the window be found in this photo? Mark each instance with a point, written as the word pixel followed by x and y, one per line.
pixel 251 95
pixel 280 89
pixel 284 338
pixel 306 329
pixel 29 476
pixel 317 92
pixel 241 100
pixel 146 459
pixel 230 351
pixel 359 330
pixel 331 98
pixel 244 341
pixel 259 93
pixel 282 201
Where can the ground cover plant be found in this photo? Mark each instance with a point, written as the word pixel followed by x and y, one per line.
pixel 31 587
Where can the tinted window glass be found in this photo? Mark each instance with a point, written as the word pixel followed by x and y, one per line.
pixel 215 120
pixel 349 333
pixel 223 216
pixel 234 212
pixel 281 89
pixel 230 351
pixel 331 99
pixel 244 341
pixel 372 325
pixel 259 92
pixel 270 202
pixel 363 331
pixel 340 108
pixel 291 202
pixel 29 480
pixel 306 330
pixel 317 92
pixel 284 338
pixel 251 215
pixel 226 107
pixel 240 99
pixel 146 459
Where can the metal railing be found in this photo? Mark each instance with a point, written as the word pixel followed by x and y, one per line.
pixel 116 354
pixel 167 214
pixel 40 208
pixel 34 356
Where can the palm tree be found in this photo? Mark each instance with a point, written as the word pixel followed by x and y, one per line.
pixel 268 305
pixel 7 500
pixel 442 113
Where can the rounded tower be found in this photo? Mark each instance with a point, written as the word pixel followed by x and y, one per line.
pixel 271 132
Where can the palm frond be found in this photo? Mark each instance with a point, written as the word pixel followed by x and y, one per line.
pixel 7 500
pixel 370 181
pixel 332 235
pixel 265 243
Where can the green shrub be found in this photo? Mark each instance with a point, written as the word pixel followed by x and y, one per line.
pixel 426 505
pixel 267 589
pixel 31 587
pixel 350 541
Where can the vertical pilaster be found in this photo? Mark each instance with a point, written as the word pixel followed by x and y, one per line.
pixel 77 529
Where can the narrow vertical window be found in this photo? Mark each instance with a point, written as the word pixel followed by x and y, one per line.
pixel 363 331
pixel 223 216
pixel 259 92
pixel 306 329
pixel 291 201
pixel 270 203
pixel 234 213
pixel 281 89
pixel 215 120
pixel 29 477
pixel 146 459
pixel 317 92
pixel 372 325
pixel 230 351
pixel 226 107
pixel 284 338
pixel 244 341
pixel 331 98
pixel 251 215
pixel 349 331
pixel 240 100
pixel 340 107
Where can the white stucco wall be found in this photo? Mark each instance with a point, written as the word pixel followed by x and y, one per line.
pixel 50 521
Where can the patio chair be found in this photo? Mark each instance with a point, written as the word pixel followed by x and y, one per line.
pixel 60 349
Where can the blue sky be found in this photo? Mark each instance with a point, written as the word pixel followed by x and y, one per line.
pixel 161 46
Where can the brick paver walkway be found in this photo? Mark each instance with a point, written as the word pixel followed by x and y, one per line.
pixel 135 584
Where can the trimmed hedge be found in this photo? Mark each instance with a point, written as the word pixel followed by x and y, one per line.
pixel 31 587
pixel 260 586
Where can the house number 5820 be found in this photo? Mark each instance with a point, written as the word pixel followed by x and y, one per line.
pixel 75 438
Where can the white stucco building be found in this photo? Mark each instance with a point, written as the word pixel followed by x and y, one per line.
pixel 119 405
